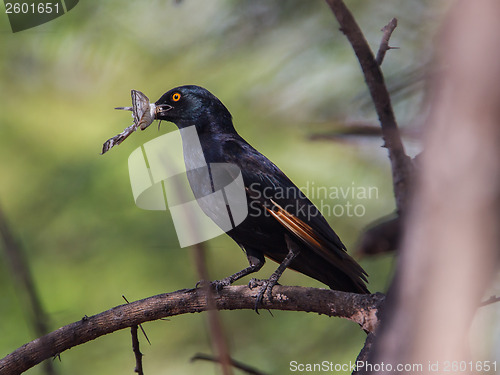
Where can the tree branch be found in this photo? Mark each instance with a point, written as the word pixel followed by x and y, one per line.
pixel 364 353
pixel 358 308
pixel 400 162
pixel 384 44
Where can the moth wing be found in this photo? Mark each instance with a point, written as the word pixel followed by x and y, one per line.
pixel 140 105
pixel 141 109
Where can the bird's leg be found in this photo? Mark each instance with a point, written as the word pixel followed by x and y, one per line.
pixel 256 261
pixel 267 288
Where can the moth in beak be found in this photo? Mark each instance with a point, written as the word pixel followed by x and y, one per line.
pixel 143 113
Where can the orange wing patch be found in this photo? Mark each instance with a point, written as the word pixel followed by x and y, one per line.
pixel 309 236
pixel 304 232
pixel 294 224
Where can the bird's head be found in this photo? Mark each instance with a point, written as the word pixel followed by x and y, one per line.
pixel 193 105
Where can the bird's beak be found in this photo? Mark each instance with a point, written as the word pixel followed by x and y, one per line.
pixel 161 111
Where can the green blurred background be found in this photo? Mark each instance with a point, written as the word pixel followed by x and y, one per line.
pixel 285 72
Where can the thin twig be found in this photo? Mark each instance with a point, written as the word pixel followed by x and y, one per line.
pixel 400 162
pixel 490 301
pixel 137 351
pixel 236 364
pixel 384 44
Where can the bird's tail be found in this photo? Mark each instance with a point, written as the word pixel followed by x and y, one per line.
pixel 345 275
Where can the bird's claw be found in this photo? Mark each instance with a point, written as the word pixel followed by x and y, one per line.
pixel 254 283
pixel 202 284
pixel 217 285
pixel 265 290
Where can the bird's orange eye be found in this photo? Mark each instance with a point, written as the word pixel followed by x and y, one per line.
pixel 176 97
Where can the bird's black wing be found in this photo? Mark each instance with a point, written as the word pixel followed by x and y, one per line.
pixel 266 183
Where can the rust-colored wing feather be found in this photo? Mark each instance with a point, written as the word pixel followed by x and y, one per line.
pixel 313 239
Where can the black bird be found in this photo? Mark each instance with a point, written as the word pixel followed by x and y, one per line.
pixel 282 223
